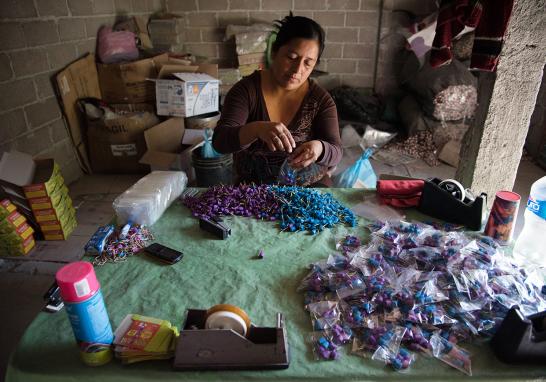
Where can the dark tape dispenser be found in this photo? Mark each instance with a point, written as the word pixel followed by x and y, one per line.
pixel 449 201
pixel 521 339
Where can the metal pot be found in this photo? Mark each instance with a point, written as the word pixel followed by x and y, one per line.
pixel 202 121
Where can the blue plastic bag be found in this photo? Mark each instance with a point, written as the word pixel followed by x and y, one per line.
pixel 207 151
pixel 359 175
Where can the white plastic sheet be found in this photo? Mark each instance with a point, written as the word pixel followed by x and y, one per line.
pixel 147 199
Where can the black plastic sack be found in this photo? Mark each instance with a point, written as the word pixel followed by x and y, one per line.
pixel 353 104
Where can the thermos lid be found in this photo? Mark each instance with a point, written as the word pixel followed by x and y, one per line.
pixel 77 281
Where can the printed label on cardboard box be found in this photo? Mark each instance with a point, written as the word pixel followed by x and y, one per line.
pixel 129 149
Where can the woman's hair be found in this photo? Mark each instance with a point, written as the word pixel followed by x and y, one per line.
pixel 292 27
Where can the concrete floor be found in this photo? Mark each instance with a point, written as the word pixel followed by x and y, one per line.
pixel 23 281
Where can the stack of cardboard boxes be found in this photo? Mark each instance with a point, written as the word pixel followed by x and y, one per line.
pixel 251 51
pixel 16 235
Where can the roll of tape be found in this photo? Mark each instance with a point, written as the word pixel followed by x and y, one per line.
pixel 454 188
pixel 226 320
pixel 225 316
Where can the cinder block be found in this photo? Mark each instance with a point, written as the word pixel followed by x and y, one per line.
pixel 34 142
pixel 71 29
pixel 12 9
pixel 369 5
pixel 13 125
pixel 213 5
pixel 58 131
pixel 212 34
pixel 277 5
pixel 358 51
pixel 103 7
pixel 29 61
pixel 86 46
pixel 207 19
pixel 125 6
pixel 341 66
pixel 140 6
pixel 362 19
pixel 237 18
pixel 181 6
pixel 44 84
pixel 80 7
pixel 71 172
pixel 250 5
pixel 12 36
pixel 308 14
pixel 52 7
pixel 40 32
pixel 365 67
pixel 329 82
pixel 332 50
pixel 93 24
pixel 341 4
pixel 155 5
pixel 61 55
pixel 193 35
pixel 342 35
pixel 265 16
pixel 330 18
pixel 357 80
pixel 310 4
pixel 205 50
pixel 20 93
pixel 5 68
pixel 367 34
pixel 42 112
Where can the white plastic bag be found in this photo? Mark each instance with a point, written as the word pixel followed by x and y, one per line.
pixel 147 199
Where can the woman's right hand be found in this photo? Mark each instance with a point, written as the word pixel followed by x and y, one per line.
pixel 276 136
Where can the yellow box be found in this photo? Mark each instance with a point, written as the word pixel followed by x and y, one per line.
pixel 20 249
pixel 52 201
pixel 47 179
pixel 61 234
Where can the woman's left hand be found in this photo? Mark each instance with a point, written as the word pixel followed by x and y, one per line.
pixel 306 154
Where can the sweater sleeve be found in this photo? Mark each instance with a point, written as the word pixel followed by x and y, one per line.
pixel 326 130
pixel 235 112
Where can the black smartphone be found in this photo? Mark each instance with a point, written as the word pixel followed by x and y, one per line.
pixel 163 253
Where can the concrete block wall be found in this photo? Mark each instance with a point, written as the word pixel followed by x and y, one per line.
pixel 351 26
pixel 536 137
pixel 40 37
pixel 37 39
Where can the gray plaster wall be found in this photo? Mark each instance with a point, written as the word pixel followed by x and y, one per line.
pixel 493 146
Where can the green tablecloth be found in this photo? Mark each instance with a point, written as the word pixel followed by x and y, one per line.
pixel 213 272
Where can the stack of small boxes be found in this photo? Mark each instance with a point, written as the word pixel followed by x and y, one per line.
pixel 251 51
pixel 49 200
pixel 16 236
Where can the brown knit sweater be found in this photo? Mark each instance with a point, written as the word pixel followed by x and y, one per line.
pixel 316 119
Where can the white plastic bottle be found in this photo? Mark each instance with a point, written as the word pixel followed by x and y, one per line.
pixel 530 247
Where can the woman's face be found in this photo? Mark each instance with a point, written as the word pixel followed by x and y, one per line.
pixel 293 62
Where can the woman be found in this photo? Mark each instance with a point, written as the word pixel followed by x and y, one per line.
pixel 279 113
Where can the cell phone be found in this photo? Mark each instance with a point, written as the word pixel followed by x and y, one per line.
pixel 164 254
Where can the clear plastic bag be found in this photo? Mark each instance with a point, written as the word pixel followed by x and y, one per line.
pixel 299 177
pixel 399 361
pixel 207 151
pixel 323 346
pixel 451 354
pixel 145 201
pixel 359 175
pixel 324 314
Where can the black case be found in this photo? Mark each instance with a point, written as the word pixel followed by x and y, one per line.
pixel 440 204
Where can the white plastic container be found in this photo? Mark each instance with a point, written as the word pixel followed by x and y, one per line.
pixel 147 199
pixel 530 247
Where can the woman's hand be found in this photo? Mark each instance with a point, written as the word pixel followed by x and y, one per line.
pixel 274 134
pixel 306 154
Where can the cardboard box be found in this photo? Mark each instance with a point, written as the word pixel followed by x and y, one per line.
pixel 165 150
pixel 78 80
pixel 128 82
pixel 47 179
pixel 184 91
pixel 251 58
pixel 61 234
pixel 55 200
pixel 116 144
pixel 19 249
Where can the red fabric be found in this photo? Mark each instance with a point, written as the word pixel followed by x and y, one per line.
pixel 400 193
pixel 489 17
